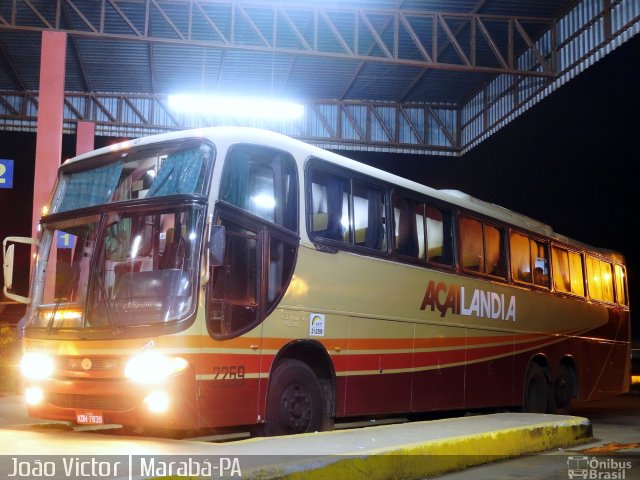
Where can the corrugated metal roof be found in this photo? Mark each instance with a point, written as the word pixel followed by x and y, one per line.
pixel 473 56
pixel 354 28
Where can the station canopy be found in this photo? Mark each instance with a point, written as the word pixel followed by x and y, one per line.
pixel 413 76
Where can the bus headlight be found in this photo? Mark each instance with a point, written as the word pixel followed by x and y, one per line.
pixel 157 402
pixel 33 395
pixel 36 366
pixel 152 367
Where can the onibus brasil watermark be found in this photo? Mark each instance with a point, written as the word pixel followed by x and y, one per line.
pixel 594 468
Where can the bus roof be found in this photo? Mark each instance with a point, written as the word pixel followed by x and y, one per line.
pixel 226 136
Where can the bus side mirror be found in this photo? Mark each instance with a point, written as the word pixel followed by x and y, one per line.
pixel 8 256
pixel 217 245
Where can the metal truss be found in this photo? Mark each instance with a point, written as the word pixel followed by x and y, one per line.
pixel 374 126
pixel 470 42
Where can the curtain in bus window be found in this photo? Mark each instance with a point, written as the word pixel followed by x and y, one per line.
pixel 561 271
pixel 406 235
pixel 290 219
pixel 93 187
pixel 607 281
pixel 594 278
pixel 520 258
pixel 493 248
pixel 621 293
pixel 179 173
pixel 235 182
pixel 335 206
pixel 374 238
pixel 436 236
pixel 577 279
pixel 420 228
pixel 472 248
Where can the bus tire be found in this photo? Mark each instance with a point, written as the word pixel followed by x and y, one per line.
pixel 294 402
pixel 563 389
pixel 536 390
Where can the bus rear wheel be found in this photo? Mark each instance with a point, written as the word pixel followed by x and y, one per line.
pixel 294 403
pixel 536 390
pixel 563 389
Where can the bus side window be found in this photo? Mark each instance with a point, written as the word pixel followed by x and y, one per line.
pixel 329 206
pixel 346 210
pixel 482 247
pixel 529 260
pixel 567 271
pixel 621 291
pixel 540 263
pixel 600 279
pixel 262 181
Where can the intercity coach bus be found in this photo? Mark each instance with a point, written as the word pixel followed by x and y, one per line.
pixel 231 277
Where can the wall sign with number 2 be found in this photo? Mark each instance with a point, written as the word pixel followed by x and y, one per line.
pixel 6 173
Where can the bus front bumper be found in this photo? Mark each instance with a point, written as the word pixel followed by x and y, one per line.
pixel 169 405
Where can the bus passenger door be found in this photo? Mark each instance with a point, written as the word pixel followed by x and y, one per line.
pixel 229 389
pixel 243 290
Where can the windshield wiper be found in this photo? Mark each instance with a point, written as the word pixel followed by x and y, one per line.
pixel 108 306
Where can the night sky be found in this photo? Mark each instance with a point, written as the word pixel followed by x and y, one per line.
pixel 570 161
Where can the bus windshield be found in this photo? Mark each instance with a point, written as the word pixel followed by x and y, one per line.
pixel 152 172
pixel 119 268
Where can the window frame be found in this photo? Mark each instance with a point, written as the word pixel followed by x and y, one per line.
pixel 582 255
pixel 504 247
pixel 609 262
pixel 296 174
pixel 625 285
pixel 428 202
pixel 530 237
pixel 331 245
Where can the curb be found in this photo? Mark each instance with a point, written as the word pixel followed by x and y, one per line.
pixel 424 459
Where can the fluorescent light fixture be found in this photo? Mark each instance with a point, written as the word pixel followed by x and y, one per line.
pixel 236 107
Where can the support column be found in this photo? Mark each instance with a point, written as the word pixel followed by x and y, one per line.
pixel 85 133
pixel 50 120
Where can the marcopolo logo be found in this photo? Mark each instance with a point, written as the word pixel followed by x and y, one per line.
pixel 593 468
pixel 479 303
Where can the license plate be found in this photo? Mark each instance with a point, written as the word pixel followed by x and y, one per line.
pixel 93 417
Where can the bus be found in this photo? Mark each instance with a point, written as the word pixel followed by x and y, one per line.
pixel 235 277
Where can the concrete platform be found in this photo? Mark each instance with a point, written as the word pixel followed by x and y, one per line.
pixel 408 451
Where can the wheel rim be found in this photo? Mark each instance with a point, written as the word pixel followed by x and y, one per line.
pixel 296 409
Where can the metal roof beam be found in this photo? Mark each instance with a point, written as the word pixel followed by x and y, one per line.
pixel 377 126
pixel 336 32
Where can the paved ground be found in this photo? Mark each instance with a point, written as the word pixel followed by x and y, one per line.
pixel 616 432
pixel 410 450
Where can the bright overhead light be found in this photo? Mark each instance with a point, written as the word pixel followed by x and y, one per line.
pixel 236 107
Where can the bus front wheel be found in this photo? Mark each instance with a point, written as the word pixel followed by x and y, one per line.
pixel 294 403
pixel 536 390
